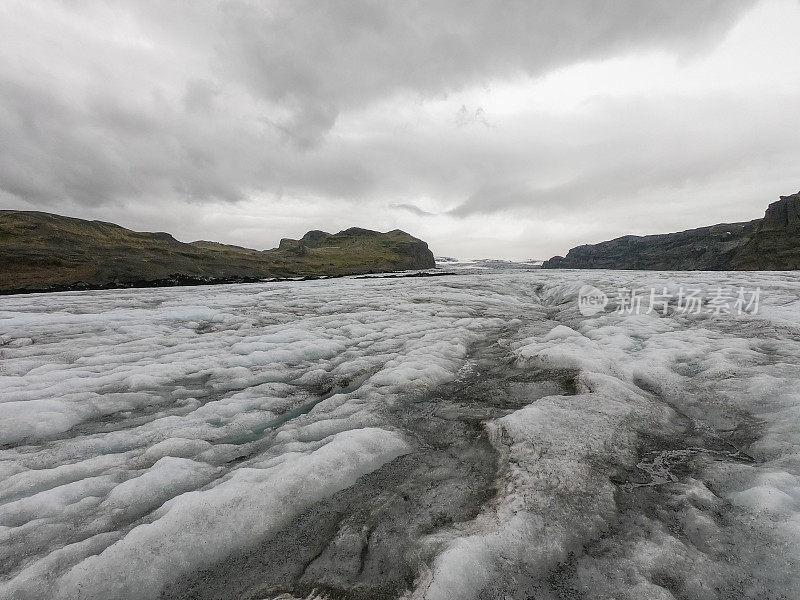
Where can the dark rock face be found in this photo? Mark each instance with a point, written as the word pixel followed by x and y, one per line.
pixel 42 252
pixel 775 243
pixel 783 214
pixel 771 243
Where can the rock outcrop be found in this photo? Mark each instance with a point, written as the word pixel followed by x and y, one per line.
pixel 771 243
pixel 774 244
pixel 46 252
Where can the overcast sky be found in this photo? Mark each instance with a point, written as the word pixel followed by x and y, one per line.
pixel 489 129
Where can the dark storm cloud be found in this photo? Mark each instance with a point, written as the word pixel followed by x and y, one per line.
pixel 218 101
pixel 321 58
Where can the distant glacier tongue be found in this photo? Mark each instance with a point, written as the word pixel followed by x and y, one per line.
pixel 478 435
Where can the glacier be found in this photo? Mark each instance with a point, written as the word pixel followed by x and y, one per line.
pixel 465 436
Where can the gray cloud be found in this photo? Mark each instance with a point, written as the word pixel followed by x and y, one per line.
pixel 206 100
pixel 200 103
pixel 415 210
pixel 634 147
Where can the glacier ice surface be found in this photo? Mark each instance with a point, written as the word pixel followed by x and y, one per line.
pixel 470 436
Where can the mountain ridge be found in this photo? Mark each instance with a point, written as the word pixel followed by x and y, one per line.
pixel 41 252
pixel 771 243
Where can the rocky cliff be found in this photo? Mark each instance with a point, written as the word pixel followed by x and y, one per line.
pixel 774 244
pixel 771 243
pixel 46 252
